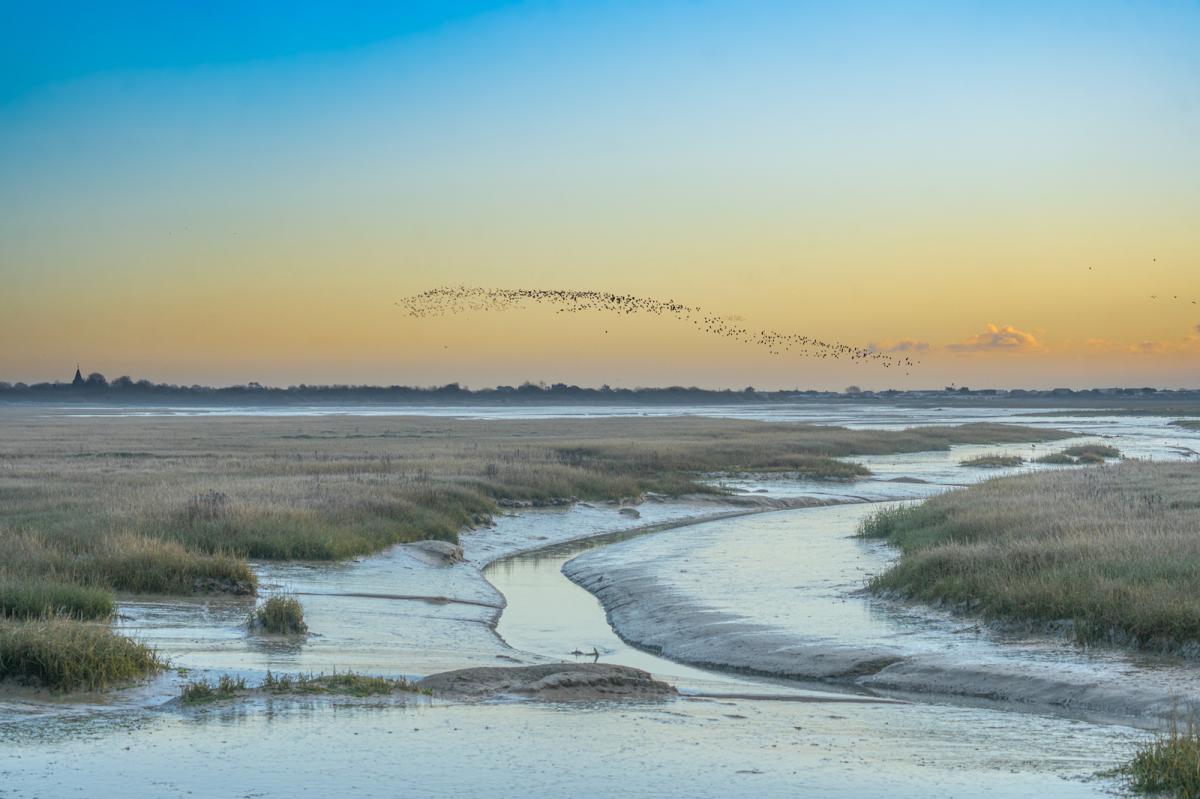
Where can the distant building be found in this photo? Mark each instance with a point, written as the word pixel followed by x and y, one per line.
pixel 78 381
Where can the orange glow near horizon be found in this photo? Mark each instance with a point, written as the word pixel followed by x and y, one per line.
pixel 1017 211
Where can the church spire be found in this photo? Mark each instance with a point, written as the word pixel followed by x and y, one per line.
pixel 78 381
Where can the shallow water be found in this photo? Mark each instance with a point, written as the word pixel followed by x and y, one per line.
pixel 545 613
pixel 698 748
pixel 805 597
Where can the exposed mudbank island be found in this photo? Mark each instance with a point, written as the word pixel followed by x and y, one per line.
pixel 551 681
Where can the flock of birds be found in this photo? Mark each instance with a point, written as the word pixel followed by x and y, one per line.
pixel 1155 296
pixel 451 300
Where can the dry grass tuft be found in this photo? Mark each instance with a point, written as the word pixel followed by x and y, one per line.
pixel 67 655
pixel 279 615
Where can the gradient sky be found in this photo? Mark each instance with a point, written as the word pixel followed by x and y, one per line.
pixel 209 192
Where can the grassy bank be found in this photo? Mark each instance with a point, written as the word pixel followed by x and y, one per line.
pixel 1112 549
pixel 67 655
pixel 33 599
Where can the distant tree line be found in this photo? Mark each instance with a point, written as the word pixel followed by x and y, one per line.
pixel 125 389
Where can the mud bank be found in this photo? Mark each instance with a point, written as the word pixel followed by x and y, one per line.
pixel 655 597
pixel 556 682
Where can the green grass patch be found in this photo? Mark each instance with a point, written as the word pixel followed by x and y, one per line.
pixel 146 565
pixel 201 692
pixel 68 655
pixel 1167 766
pixel 1056 459
pixel 992 461
pixel 1101 451
pixel 1081 455
pixel 816 467
pixel 279 615
pixel 347 683
pixel 33 599
pixel 128 562
pixel 1112 549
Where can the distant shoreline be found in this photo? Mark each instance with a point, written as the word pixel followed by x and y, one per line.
pixel 127 393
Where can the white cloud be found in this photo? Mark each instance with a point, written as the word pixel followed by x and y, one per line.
pixel 997 339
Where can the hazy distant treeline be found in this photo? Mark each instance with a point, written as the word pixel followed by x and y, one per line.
pixel 125 389
pixel 97 387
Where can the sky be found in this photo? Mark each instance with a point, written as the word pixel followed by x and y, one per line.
pixel 225 192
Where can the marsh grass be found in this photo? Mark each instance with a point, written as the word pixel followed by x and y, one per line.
pixel 33 599
pixel 1093 451
pixel 176 506
pixel 1169 765
pixel 120 562
pixel 347 683
pixel 279 615
pixel 1113 551
pixel 201 692
pixel 992 461
pixel 1080 455
pixel 1056 459
pixel 68 655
